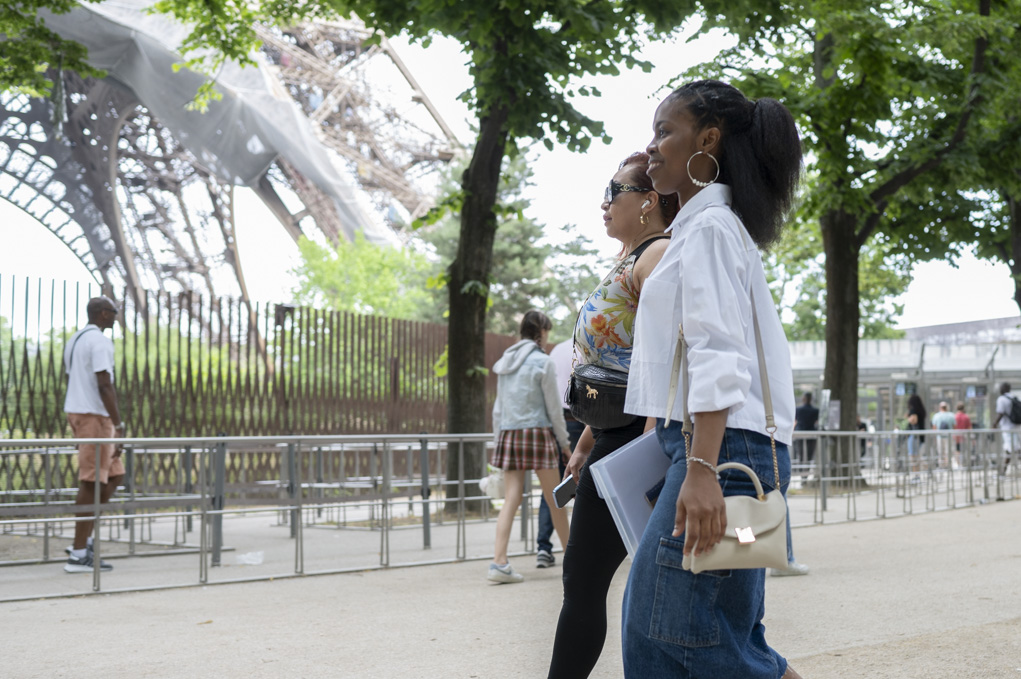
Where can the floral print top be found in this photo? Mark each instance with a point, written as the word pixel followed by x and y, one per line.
pixel 605 330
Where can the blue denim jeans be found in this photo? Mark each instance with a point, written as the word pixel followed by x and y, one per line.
pixel 708 626
pixel 545 530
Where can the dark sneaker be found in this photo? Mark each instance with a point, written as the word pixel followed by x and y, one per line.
pixel 84 564
pixel 69 548
pixel 544 559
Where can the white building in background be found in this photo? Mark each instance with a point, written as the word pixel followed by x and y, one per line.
pixel 957 363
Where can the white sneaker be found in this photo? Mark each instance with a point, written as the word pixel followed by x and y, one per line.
pixel 504 573
pixel 793 568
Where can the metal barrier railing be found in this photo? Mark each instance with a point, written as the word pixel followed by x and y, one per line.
pixel 942 469
pixel 394 486
pixel 340 482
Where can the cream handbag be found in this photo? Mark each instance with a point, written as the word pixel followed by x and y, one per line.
pixel 756 532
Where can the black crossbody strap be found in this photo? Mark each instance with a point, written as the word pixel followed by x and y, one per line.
pixel 70 356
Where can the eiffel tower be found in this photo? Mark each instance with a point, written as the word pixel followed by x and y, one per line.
pixel 332 134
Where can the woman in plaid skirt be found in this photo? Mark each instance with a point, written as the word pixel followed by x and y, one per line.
pixel 528 404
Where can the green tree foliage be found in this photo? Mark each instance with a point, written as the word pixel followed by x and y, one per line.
pixel 529 269
pixel 996 159
pixel 28 48
pixel 887 97
pixel 796 269
pixel 367 278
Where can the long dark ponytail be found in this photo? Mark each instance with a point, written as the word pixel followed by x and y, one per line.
pixel 760 155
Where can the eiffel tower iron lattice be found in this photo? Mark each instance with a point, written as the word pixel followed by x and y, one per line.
pixel 143 191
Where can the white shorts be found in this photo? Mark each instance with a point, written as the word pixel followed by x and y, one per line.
pixel 1011 437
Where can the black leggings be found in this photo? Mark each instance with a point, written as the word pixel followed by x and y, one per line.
pixel 594 552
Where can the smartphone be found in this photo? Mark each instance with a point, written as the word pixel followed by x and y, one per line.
pixel 563 493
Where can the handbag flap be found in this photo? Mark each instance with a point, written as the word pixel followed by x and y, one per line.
pixel 598 374
pixel 750 512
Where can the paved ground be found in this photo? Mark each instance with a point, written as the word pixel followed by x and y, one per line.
pixel 933 595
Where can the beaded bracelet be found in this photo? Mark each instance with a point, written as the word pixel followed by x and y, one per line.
pixel 704 463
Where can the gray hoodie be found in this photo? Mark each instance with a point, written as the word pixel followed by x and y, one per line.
pixel 526 392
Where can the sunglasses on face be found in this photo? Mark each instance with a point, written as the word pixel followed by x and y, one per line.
pixel 615 188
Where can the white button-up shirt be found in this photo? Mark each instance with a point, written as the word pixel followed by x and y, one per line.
pixel 704 281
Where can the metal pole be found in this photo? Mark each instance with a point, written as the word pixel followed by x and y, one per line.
pixel 296 522
pixel 462 534
pixel 822 461
pixel 292 474
pixel 188 486
pixel 384 552
pixel 219 474
pixel 46 501
pixel 423 457
pixel 203 524
pixel 129 475
pixel 319 479
pixel 97 488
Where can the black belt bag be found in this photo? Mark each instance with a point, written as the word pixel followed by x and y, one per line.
pixel 596 396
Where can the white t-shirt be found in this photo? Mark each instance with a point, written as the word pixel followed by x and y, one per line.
pixel 563 360
pixel 705 280
pixel 1003 408
pixel 93 352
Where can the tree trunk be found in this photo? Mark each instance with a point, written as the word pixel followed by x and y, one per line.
pixel 468 285
pixel 843 317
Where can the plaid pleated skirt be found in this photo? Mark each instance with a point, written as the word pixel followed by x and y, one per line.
pixel 534 448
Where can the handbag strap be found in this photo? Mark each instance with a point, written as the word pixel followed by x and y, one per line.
pixel 680 368
pixel 70 357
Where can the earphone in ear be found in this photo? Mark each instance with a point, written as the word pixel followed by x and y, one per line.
pixel 647 203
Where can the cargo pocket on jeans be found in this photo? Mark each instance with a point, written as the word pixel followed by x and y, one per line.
pixel 684 610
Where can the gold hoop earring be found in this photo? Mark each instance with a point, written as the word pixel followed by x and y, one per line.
pixel 697 182
pixel 644 219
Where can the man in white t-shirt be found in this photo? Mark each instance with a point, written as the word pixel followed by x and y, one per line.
pixel 92 411
pixel 1008 430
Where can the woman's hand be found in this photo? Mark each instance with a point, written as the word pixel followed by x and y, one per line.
pixel 700 507
pixel 580 454
pixel 701 511
pixel 574 465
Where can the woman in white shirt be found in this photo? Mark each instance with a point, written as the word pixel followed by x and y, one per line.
pixel 735 165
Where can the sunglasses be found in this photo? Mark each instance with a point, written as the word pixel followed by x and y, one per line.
pixel 615 188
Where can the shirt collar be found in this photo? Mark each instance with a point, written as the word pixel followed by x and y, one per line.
pixel 714 194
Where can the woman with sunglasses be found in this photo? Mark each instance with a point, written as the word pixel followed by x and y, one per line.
pixel 735 165
pixel 635 215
